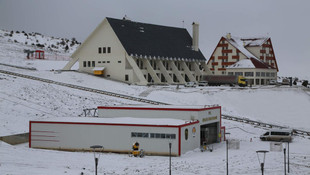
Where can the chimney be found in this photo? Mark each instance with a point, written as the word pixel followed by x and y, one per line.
pixel 228 35
pixel 195 45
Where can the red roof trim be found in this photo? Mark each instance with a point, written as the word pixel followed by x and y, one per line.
pixel 275 60
pixel 215 49
pixel 159 109
pixel 115 124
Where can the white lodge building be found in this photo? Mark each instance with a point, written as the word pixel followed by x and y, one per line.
pixel 252 58
pixel 140 53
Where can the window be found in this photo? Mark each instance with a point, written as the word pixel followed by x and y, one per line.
pixel 119 61
pixel 140 134
pixel 99 49
pixel 258 74
pixel 93 63
pixel 267 74
pixel 99 61
pixel 230 73
pixel 103 61
pixel 88 63
pixel 104 50
pixel 272 74
pixel 108 61
pixel 239 73
pixel 109 49
pixel 84 63
pixel 126 77
pixel 162 136
pixel 108 75
pixel 262 74
pixel 249 74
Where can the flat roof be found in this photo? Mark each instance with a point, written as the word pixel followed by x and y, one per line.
pixel 124 121
pixel 163 107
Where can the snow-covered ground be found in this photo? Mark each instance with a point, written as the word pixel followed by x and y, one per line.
pixel 22 100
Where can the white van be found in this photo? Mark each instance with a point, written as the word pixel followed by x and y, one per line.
pixel 277 135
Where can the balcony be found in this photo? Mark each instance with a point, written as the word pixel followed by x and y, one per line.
pixel 222 45
pixel 235 57
pixel 222 57
pixel 262 51
pixel 266 45
pixel 221 69
pixel 227 51
pixel 227 63
pixel 215 63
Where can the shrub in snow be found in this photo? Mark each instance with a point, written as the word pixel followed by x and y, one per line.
pixel 40 45
pixel 17 32
pixel 305 83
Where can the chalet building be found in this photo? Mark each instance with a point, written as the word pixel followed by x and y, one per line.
pixel 140 53
pixel 252 58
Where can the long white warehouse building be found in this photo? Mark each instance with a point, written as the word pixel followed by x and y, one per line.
pixel 118 127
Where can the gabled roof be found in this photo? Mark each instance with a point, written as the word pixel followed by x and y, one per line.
pixel 141 39
pixel 241 44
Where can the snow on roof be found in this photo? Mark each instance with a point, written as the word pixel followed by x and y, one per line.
pixel 245 63
pixel 119 120
pixel 98 68
pixel 238 43
pixel 254 41
pixel 163 107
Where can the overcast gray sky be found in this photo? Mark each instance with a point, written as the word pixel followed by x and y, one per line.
pixel 286 22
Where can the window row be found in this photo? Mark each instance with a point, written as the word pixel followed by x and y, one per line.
pixel 93 63
pixel 251 74
pixel 89 63
pixel 153 135
pixel 104 50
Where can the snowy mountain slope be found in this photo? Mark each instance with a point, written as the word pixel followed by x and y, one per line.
pixel 22 100
pixel 37 40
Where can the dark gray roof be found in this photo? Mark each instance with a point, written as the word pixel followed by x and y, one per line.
pixel 154 40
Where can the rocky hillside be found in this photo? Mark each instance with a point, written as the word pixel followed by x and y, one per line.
pixel 39 41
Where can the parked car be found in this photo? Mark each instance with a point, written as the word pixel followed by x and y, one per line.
pixel 190 84
pixel 277 135
pixel 273 82
pixel 285 82
pixel 202 83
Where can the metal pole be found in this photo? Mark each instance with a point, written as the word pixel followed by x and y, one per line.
pixel 288 157
pixel 169 158
pixel 226 157
pixel 262 168
pixel 96 164
pixel 284 150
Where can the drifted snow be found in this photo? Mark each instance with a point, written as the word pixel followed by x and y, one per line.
pixel 245 63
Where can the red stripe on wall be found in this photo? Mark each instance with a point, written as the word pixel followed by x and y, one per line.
pixel 30 134
pixel 157 109
pixel 179 141
pixel 112 124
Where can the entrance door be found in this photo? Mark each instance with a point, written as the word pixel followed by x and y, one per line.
pixel 209 133
pixel 204 135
